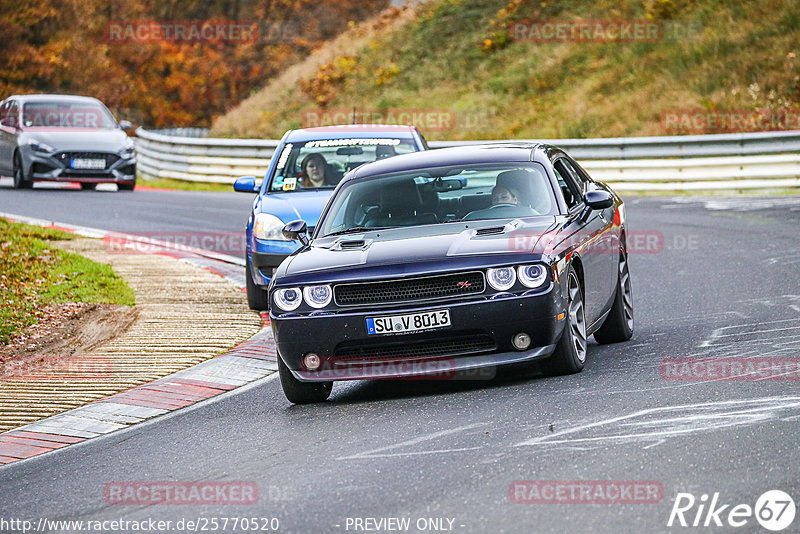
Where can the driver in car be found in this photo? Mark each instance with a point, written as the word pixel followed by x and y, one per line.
pixel 508 197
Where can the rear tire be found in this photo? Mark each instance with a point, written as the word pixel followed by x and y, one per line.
pixel 302 392
pixel 257 298
pixel 618 326
pixel 88 186
pixel 20 181
pixel 570 354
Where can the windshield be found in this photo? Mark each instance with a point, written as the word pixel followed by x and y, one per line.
pixel 322 163
pixel 67 114
pixel 440 195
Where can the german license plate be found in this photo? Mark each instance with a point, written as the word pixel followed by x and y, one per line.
pixel 80 163
pixel 412 322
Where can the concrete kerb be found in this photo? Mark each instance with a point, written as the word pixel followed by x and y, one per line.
pixel 249 362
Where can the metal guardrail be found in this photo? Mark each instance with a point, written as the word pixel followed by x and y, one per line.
pixel 721 161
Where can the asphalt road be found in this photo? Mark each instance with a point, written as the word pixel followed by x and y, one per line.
pixel 152 213
pixel 719 279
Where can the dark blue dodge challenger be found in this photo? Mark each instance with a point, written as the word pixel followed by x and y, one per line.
pixel 441 262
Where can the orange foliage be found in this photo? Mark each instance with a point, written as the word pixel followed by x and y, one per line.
pixel 63 46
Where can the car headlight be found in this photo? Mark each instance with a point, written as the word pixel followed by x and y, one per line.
pixel 532 275
pixel 318 296
pixel 269 227
pixel 38 146
pixel 288 299
pixel 502 278
pixel 129 151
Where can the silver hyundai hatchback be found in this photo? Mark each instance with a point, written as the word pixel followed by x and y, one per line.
pixel 63 138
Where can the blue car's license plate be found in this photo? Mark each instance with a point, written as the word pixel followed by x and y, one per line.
pixel 412 322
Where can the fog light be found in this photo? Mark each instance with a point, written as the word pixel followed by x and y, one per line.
pixel 311 361
pixel 521 341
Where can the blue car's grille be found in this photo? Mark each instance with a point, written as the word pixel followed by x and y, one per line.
pixel 409 289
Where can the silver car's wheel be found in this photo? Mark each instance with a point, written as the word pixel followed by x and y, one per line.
pixel 19 174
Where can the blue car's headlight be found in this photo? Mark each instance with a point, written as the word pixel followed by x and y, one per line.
pixel 532 275
pixel 268 227
pixel 288 299
pixel 502 278
pixel 318 296
pixel 38 146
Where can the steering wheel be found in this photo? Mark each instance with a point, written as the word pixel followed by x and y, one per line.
pixel 503 205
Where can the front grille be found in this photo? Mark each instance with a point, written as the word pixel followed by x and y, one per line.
pixel 409 289
pixel 432 348
pixel 66 157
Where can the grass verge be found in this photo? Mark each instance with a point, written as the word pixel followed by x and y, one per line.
pixel 35 275
pixel 168 183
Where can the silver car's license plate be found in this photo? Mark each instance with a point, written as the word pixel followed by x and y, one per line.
pixel 412 322
pixel 80 163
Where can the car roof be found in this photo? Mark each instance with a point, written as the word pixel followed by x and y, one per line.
pixel 443 157
pixel 356 131
pixel 48 97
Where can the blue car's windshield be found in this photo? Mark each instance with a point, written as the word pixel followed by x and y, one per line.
pixel 441 194
pixel 323 162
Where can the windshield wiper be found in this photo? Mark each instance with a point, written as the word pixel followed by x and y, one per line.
pixel 356 229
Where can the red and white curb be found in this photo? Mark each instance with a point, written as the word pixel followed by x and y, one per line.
pixel 249 361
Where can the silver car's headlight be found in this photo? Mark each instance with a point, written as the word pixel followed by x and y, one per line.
pixel 288 299
pixel 532 275
pixel 38 146
pixel 129 151
pixel 502 278
pixel 318 296
pixel 269 227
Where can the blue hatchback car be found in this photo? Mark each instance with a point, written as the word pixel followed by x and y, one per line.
pixel 305 169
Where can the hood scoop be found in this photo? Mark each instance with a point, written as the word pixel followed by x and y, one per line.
pixel 494 230
pixel 351 244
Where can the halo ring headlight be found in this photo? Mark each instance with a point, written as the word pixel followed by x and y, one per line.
pixel 532 275
pixel 288 299
pixel 501 278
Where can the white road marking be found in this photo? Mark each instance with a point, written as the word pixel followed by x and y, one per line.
pixel 658 424
pixel 378 453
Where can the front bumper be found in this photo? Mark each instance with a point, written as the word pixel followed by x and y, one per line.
pixel 349 353
pixel 56 168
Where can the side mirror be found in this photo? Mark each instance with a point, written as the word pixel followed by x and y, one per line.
pixel 125 125
pixel 296 230
pixel 245 184
pixel 599 199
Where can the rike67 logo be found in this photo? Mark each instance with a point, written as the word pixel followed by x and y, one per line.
pixel 774 510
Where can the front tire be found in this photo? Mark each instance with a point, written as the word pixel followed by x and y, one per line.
pixel 570 354
pixel 127 186
pixel 86 186
pixel 618 326
pixel 20 182
pixel 257 298
pixel 302 392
